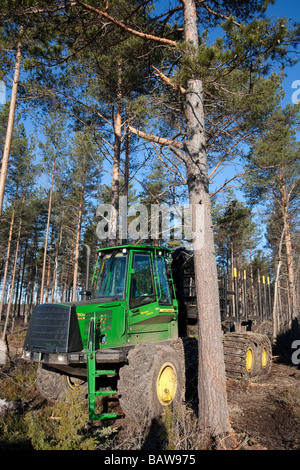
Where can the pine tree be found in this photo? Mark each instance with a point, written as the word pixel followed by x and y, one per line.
pixel 275 157
pixel 10 122
pixel 245 45
pixel 54 151
pixel 84 176
pixel 24 179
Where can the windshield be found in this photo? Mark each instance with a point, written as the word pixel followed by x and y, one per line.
pixel 164 282
pixel 111 276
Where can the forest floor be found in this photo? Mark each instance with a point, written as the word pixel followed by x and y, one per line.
pixel 264 415
pixel 267 413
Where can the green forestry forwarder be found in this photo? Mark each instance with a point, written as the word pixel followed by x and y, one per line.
pixel 129 335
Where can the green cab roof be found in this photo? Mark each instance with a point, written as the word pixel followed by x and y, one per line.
pixel 136 247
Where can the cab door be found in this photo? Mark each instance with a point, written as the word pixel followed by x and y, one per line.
pixel 142 291
pixel 142 294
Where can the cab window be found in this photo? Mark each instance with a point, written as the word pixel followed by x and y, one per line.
pixel 164 287
pixel 141 287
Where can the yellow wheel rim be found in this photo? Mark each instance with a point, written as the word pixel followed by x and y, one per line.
pixel 264 358
pixel 166 384
pixel 249 360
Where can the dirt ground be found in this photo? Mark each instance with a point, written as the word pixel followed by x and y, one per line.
pixel 266 415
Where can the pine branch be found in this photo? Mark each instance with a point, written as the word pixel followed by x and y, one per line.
pixel 169 167
pixel 120 24
pixel 215 13
pixel 156 139
pixel 241 174
pixel 168 81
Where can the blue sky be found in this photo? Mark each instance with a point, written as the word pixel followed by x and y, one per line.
pixel 291 10
pixel 291 84
pixel 282 8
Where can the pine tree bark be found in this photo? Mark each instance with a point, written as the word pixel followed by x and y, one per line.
pixel 7 257
pixel 78 233
pixel 126 166
pixel 14 270
pixel 275 314
pixel 47 229
pixel 284 202
pixel 213 409
pixel 49 268
pixel 290 269
pixel 10 124
pixel 55 271
pixel 31 278
pixel 117 126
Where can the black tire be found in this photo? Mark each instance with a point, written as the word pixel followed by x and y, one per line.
pixel 54 385
pixel 243 353
pixel 142 388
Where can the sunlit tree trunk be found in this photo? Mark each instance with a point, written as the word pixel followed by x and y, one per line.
pixel 10 124
pixel 78 233
pixel 47 229
pixel 117 126
pixel 213 410
pixel 7 258
pixel 12 283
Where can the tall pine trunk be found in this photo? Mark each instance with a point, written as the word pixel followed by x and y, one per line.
pixel 213 410
pixel 126 166
pixel 12 283
pixel 284 206
pixel 117 126
pixel 55 271
pixel 10 124
pixel 47 229
pixel 49 267
pixel 7 257
pixel 78 232
pixel 275 314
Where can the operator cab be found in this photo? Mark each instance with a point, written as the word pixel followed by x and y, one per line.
pixel 139 274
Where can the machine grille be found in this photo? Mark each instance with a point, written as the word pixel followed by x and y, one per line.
pixel 53 328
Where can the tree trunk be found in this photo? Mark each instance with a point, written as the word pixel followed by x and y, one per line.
pixel 22 279
pixel 290 270
pixel 78 232
pixel 7 258
pixel 284 206
pixel 234 312
pixel 253 303
pixel 13 271
pixel 213 409
pixel 126 166
pixel 31 278
pixel 10 125
pixel 55 271
pixel 47 230
pixel 49 267
pixel 276 323
pixel 117 125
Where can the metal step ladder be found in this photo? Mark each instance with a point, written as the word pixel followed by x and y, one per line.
pixel 92 374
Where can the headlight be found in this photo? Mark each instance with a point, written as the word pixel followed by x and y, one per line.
pixel 26 354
